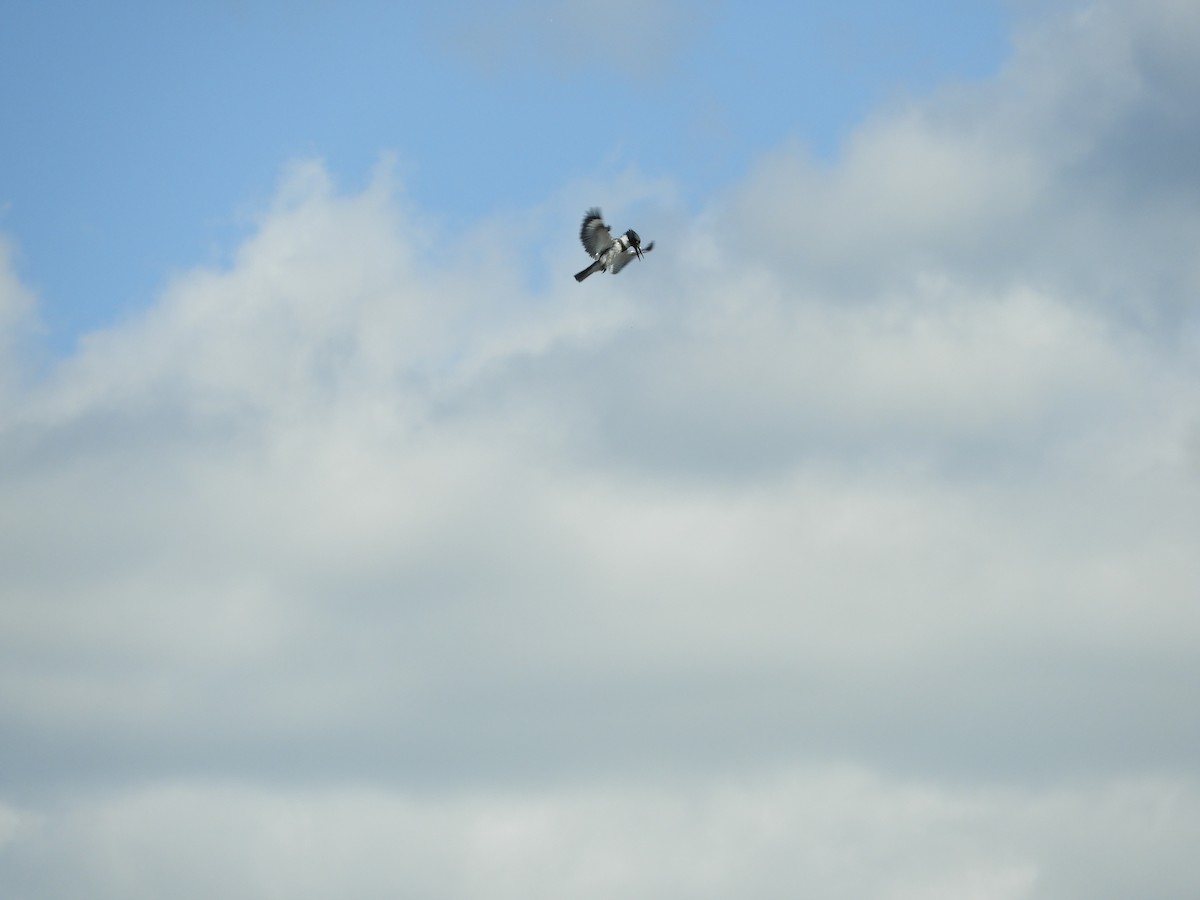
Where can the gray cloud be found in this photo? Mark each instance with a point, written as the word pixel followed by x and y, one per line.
pixel 1070 171
pixel 842 832
pixel 851 556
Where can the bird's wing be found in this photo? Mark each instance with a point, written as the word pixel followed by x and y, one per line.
pixel 622 261
pixel 594 234
pixel 627 257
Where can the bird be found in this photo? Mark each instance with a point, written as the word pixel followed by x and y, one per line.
pixel 609 254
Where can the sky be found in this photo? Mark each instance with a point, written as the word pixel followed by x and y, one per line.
pixel 146 137
pixel 844 547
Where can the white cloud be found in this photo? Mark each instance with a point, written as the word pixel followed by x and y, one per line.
pixel 872 552
pixel 1069 171
pixel 17 321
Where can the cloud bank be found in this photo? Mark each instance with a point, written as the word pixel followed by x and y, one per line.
pixel 847 544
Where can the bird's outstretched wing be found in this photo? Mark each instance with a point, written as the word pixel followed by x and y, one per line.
pixel 621 262
pixel 627 257
pixel 594 234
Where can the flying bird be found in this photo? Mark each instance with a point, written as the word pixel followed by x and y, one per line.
pixel 609 253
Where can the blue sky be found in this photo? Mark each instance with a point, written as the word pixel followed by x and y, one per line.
pixel 143 134
pixel 843 547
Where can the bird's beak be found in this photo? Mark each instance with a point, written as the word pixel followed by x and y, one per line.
pixel 638 251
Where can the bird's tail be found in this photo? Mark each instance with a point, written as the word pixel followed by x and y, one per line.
pixel 590 270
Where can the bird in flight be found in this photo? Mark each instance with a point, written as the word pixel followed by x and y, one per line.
pixel 609 253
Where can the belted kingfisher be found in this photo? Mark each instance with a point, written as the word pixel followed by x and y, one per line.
pixel 608 253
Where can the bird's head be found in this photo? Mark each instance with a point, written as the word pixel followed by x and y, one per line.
pixel 635 242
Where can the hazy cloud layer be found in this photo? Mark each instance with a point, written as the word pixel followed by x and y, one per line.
pixel 853 555
pixel 569 35
pixel 836 832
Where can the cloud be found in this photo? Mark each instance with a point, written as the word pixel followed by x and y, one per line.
pixel 839 832
pixel 855 550
pixel 1068 171
pixel 569 35
pixel 17 320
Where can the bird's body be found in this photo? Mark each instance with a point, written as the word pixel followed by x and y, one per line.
pixel 610 254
